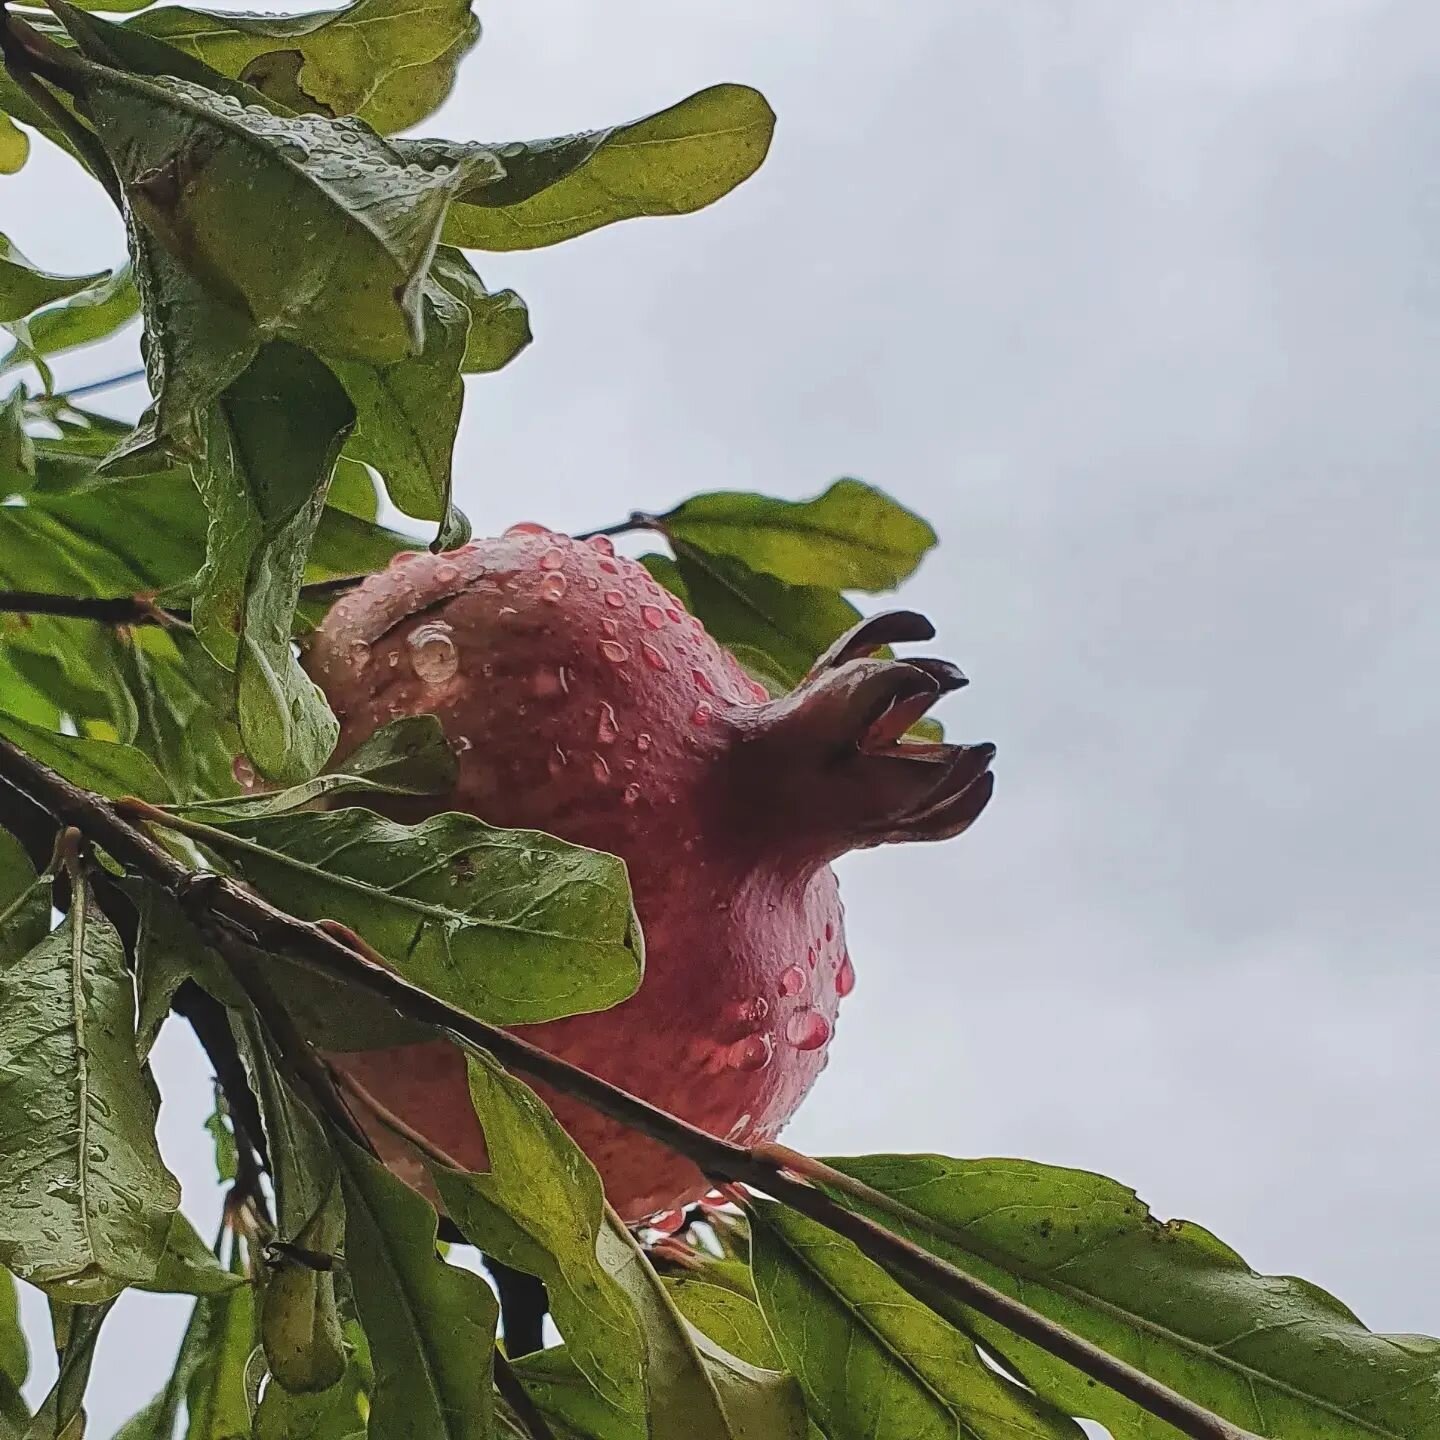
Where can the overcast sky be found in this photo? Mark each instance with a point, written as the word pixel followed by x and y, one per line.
pixel 1137 302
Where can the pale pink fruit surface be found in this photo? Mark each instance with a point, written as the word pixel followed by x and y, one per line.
pixel 582 700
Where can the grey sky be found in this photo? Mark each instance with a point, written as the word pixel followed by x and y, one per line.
pixel 1138 303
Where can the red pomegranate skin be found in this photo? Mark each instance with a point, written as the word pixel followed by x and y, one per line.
pixel 582 700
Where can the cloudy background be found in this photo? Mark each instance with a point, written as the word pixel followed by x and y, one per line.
pixel 1138 303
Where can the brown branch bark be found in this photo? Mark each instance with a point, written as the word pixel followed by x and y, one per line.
pixel 230 916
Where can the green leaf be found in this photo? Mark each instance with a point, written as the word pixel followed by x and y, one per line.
pixel 333 1414
pixel 188 1265
pixel 540 1208
pixel 17 449
pixel 874 1362
pixel 513 926
pixel 24 288
pixel 14 1351
pixel 299 1315
pixel 112 769
pixel 85 1200
pixel 408 756
pixel 90 315
pixel 353 490
pixel 499 319
pixel 348 230
pixel 392 62
pixel 271 445
pixel 216 1401
pixel 853 537
pixel 1275 1355
pixel 14 146
pixel 60 1416
pixel 670 163
pixel 24 902
pixel 761 619
pixel 431 1327
pixel 727 1317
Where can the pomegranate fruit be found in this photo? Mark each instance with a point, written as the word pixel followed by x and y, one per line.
pixel 582 700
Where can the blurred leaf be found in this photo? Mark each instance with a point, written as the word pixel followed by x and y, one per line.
pixel 272 441
pixel 333 1414
pixel 874 1362
pixel 431 1327
pixel 216 1404
pixel 24 288
pixel 188 1265
pixel 14 146
pixel 299 1317
pixel 24 902
pixel 90 315
pixel 1276 1355
pixel 408 756
pixel 14 1351
pixel 17 449
pixel 499 319
pixel 755 615
pixel 510 925
pixel 853 537
pixel 60 1416
pixel 540 1208
pixel 348 229
pixel 85 1200
pixel 352 489
pixel 223 1138
pixel 392 62
pixel 113 770
pixel 670 163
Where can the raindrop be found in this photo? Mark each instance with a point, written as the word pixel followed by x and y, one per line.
pixel 464 743
pixel 672 615
pixel 702 681
pixel 552 587
pixel 631 794
pixel 601 770
pixel 753 1011
pixel 242 770
pixel 557 762
pixel 792 980
pixel 807 1030
pixel 829 930
pixel 845 976
pixel 432 653
pixel 702 713
pixel 609 567
pixel 739 1127
pixel 446 574
pixel 609 627
pixel 642 742
pixel 754 1052
pixel 591 583
pixel 602 543
pixel 606 730
pixel 614 599
pixel 811 956
pixel 359 653
pixel 552 559
pixel 393 660
pixel 528 527
pixel 653 616
pixel 653 658
pixel 615 653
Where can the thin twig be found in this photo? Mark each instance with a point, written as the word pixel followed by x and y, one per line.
pixel 527 1414
pixel 109 383
pixel 637 521
pixel 134 609
pixel 230 916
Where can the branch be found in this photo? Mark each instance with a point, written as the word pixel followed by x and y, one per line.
pixel 527 1413
pixel 637 521
pixel 134 609
pixel 237 920
pixel 109 383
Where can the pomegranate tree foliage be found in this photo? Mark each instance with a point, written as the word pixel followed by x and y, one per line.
pixel 309 316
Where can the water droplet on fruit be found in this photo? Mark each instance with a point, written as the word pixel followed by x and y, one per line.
pixel 393 659
pixel 615 653
pixel 792 980
pixel 527 527
pixel 807 1030
pixel 602 543
pixel 642 742
pixel 464 743
pixel 673 615
pixel 753 1011
pixel 845 976
pixel 614 599
pixel 606 730
pixel 446 574
pixel 811 956
pixel 432 653
pixel 739 1127
pixel 242 770
pixel 631 794
pixel 400 560
pixel 552 559
pixel 609 567
pixel 591 583
pixel 653 658
pixel 702 681
pixel 552 587
pixel 653 616
pixel 600 769
pixel 752 1053
pixel 556 762
pixel 702 713
pixel 829 930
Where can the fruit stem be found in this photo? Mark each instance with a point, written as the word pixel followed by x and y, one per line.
pixel 238 922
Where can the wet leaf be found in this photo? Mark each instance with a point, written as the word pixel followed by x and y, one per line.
pixel 14 146
pixel 670 163
pixel 102 765
pixel 510 925
pixel 1275 1355
pixel 14 1351
pixel 60 1416
pixel 24 288
pixel 338 261
pixel 853 537
pixel 431 1327
pixel 299 1316
pixel 392 62
pixel 499 319
pixel 85 1200
pixel 271 443
pixel 188 1265
pixel 216 1403
pixel 87 316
